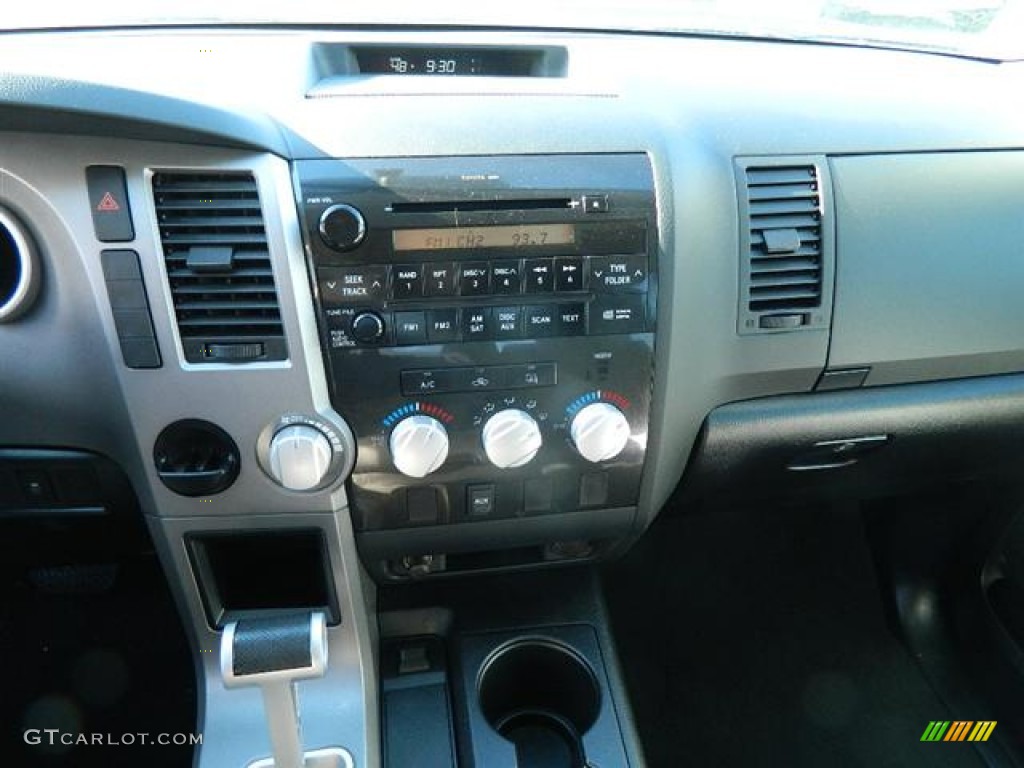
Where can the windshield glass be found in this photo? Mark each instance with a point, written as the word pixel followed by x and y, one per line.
pixel 984 28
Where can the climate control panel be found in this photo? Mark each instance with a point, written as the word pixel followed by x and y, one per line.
pixel 489 326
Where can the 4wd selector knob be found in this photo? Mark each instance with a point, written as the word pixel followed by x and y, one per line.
pixel 299 457
pixel 511 438
pixel 342 227
pixel 599 432
pixel 419 445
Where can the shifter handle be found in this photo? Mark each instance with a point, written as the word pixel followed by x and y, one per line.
pixel 273 653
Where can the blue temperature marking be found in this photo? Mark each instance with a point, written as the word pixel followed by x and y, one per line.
pixel 399 413
pixel 583 400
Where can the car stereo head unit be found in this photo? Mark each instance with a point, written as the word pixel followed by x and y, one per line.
pixel 488 325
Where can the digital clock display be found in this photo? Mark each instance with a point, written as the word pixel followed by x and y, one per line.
pixel 462 238
pixel 449 62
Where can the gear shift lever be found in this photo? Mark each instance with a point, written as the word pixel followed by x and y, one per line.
pixel 273 653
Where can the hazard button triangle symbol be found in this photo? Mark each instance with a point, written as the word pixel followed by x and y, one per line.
pixel 108 204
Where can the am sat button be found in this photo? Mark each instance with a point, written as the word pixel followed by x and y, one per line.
pixel 476 324
pixel 616 314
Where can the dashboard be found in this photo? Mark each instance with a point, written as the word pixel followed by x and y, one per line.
pixel 475 300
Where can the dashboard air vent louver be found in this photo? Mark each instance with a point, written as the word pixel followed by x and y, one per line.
pixel 786 266
pixel 218 265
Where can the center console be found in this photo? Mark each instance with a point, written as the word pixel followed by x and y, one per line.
pixel 488 326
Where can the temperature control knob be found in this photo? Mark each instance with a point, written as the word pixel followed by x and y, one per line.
pixel 342 227
pixel 419 445
pixel 599 432
pixel 511 438
pixel 299 457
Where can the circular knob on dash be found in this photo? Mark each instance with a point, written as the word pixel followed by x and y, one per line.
pixel 367 327
pixel 511 438
pixel 599 432
pixel 419 445
pixel 342 227
pixel 300 457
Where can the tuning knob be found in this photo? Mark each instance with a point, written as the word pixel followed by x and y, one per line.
pixel 599 432
pixel 511 438
pixel 419 445
pixel 299 457
pixel 342 227
pixel 367 327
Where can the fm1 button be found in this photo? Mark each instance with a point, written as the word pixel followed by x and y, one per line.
pixel 410 328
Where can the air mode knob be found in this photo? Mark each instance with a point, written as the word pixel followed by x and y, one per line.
pixel 342 227
pixel 511 438
pixel 419 445
pixel 299 457
pixel 599 432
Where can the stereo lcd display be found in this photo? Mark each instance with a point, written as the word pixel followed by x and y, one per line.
pixel 460 238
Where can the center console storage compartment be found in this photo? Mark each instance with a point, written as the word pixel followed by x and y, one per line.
pixel 259 572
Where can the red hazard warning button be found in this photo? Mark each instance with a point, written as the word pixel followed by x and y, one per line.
pixel 108 198
pixel 108 204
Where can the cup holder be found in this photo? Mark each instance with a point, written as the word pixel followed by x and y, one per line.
pixel 541 696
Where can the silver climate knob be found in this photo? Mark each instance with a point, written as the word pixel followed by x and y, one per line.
pixel 599 432
pixel 419 445
pixel 511 438
pixel 300 456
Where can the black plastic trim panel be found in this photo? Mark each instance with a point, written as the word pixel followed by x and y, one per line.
pixel 860 442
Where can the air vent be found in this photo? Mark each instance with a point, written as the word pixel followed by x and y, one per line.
pixel 218 264
pixel 786 268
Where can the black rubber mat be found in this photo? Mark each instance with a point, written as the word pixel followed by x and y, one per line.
pixel 94 670
pixel 758 638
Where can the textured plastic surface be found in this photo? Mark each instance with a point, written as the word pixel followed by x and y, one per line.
pixel 272 644
pixel 866 441
pixel 930 265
